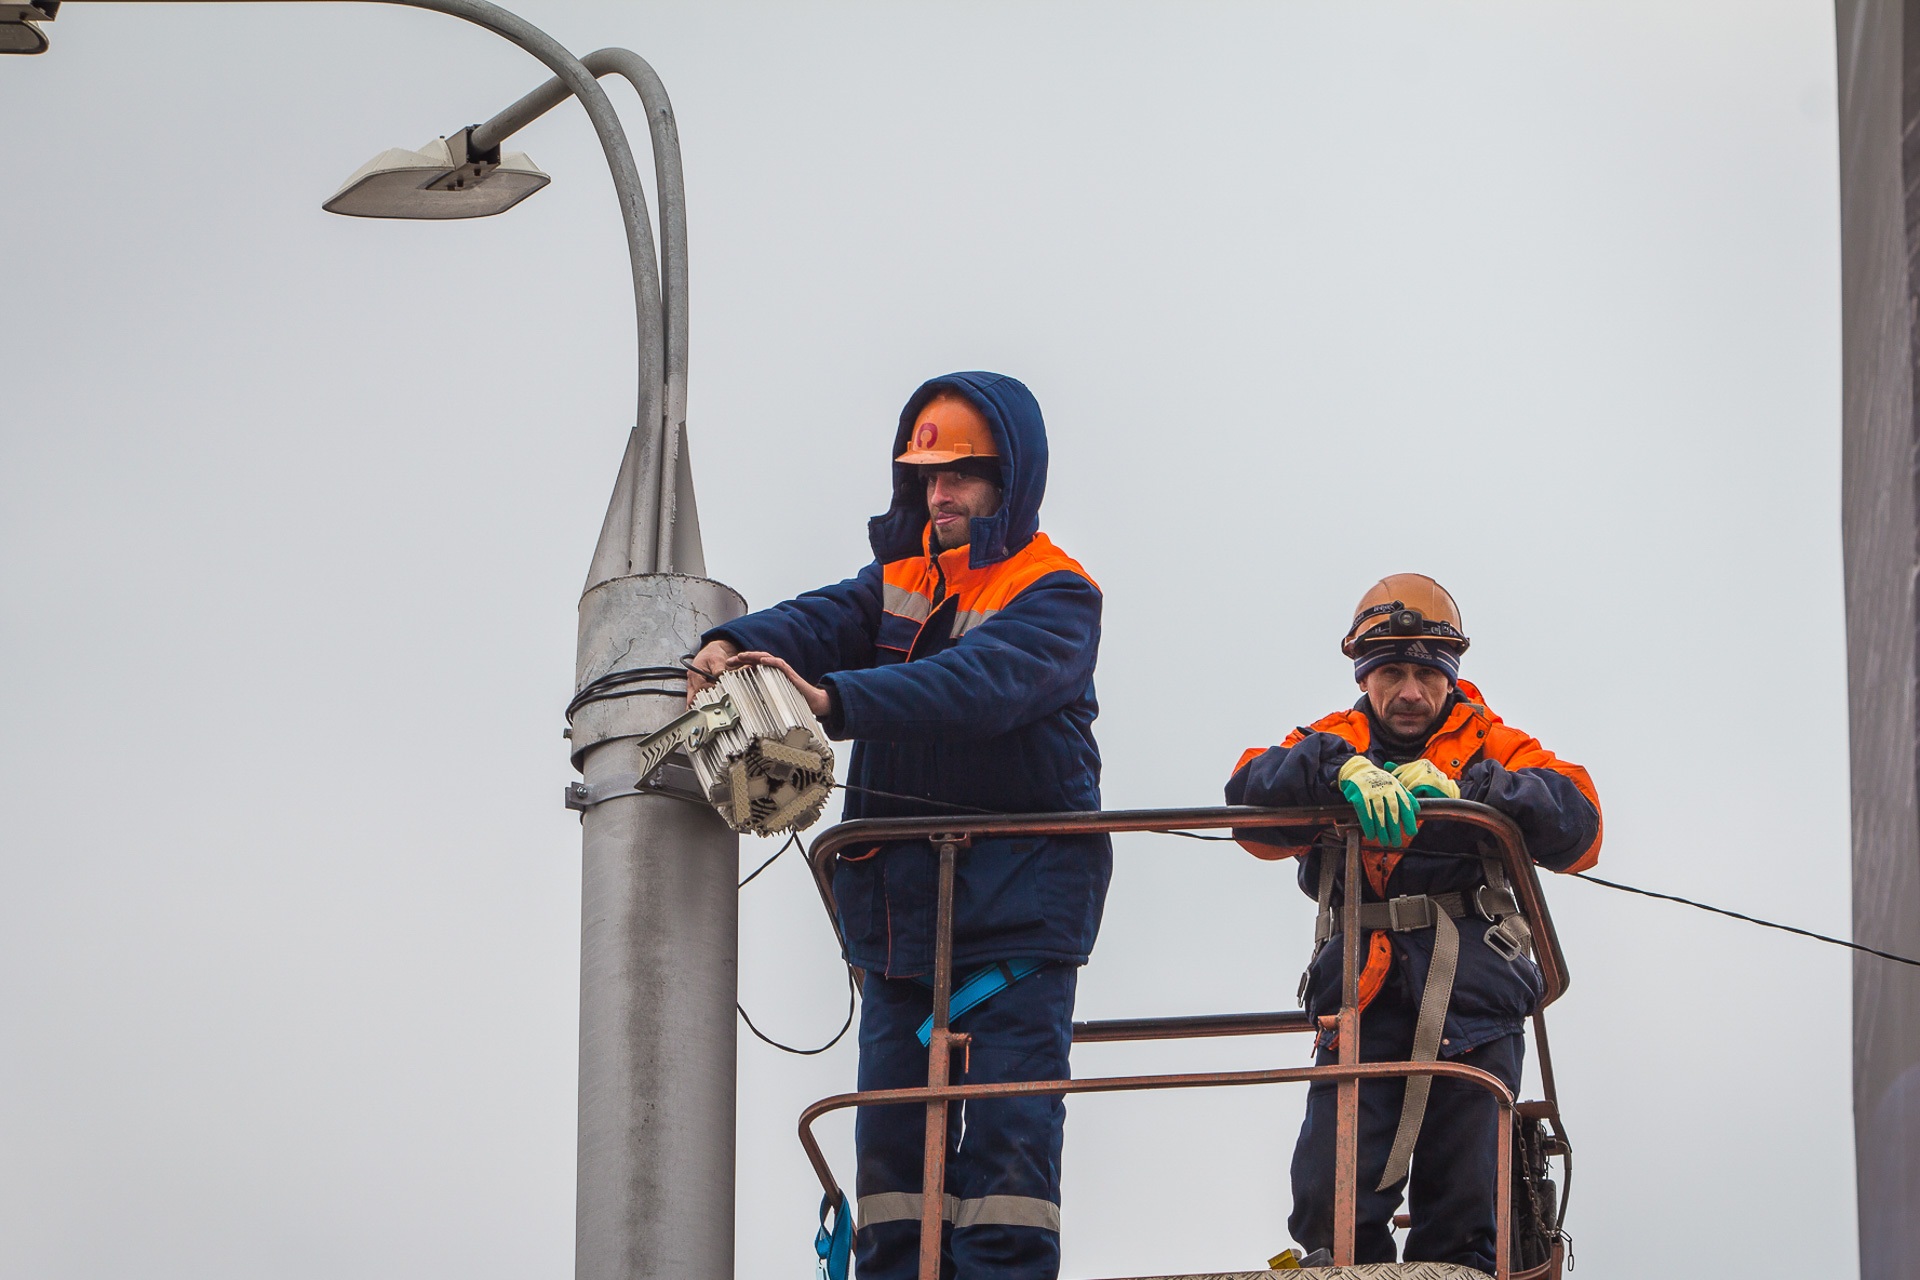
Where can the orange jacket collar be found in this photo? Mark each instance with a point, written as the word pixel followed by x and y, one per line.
pixel 954 566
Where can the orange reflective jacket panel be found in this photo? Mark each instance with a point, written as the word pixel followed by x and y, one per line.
pixel 914 588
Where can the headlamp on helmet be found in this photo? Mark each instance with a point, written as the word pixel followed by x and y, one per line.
pixel 1405 606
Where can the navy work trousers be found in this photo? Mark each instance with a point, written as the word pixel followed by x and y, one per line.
pixel 1003 1154
pixel 1451 1185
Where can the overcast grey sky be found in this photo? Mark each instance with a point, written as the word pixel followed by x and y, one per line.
pixel 294 510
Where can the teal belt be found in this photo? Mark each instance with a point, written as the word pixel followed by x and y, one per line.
pixel 980 986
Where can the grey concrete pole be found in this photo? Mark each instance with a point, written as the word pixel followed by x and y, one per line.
pixel 658 959
pixel 659 904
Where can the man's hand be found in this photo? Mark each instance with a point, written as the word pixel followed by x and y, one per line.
pixel 708 663
pixel 815 697
pixel 1389 814
pixel 1423 778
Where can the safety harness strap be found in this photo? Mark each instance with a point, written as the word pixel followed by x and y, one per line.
pixel 1508 936
pixel 977 988
pixel 833 1243
pixel 1426 1045
pixel 1323 922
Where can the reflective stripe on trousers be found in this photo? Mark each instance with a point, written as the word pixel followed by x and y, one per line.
pixel 1003 1211
pixel 1002 1192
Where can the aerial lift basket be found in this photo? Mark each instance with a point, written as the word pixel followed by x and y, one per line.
pixel 1530 1211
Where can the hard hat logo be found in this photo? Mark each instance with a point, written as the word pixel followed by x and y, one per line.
pixel 950 429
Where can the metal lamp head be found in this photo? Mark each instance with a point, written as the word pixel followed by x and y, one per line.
pixel 440 180
pixel 19 26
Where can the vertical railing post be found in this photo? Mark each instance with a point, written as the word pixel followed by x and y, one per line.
pixel 933 1169
pixel 1346 1181
pixel 1545 1054
pixel 1503 1199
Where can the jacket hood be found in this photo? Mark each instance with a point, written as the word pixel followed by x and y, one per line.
pixel 1021 436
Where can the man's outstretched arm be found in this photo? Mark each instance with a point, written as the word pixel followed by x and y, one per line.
pixel 831 629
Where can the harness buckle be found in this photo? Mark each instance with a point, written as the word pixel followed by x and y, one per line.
pixel 1413 911
pixel 1493 904
pixel 1502 942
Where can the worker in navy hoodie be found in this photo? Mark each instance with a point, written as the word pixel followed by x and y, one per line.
pixel 960 663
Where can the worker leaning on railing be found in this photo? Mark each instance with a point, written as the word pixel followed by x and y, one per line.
pixel 961 664
pixel 1451 940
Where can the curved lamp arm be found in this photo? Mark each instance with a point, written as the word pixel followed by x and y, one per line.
pixel 661 501
pixel 645 498
pixel 582 84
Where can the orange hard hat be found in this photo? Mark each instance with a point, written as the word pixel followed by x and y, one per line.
pixel 1404 604
pixel 949 429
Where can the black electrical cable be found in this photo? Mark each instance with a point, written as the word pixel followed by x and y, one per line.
pixel 1722 911
pixel 941 804
pixel 1625 888
pixel 804 1053
pixel 792 840
pixel 617 684
pixel 1194 835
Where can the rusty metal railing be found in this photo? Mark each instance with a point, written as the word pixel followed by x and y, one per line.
pixel 1499 838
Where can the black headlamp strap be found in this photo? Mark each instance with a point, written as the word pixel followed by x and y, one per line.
pixel 1391 606
pixel 1428 627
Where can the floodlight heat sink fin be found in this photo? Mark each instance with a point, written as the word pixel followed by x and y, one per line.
pixel 770 770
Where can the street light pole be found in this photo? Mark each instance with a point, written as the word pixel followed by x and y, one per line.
pixel 659 918
pixel 659 912
pixel 659 904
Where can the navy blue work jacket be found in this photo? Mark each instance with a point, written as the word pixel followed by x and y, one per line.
pixel 1549 799
pixel 963 679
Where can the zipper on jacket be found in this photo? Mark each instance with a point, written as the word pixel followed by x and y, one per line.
pixel 939 594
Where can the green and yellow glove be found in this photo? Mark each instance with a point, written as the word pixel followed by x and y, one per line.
pixel 1423 778
pixel 1388 812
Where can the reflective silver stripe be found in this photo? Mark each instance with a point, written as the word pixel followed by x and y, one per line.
pixel 1008 1211
pixel 967 619
pixel 904 1206
pixel 987 1211
pixel 905 603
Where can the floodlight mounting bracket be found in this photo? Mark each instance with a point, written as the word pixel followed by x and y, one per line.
pixel 672 777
